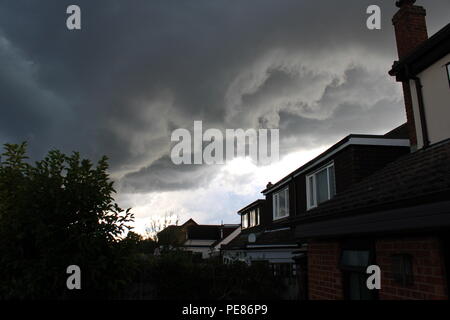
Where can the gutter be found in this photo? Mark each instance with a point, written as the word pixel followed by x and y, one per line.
pixel 423 120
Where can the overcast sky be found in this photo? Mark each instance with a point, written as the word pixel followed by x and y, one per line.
pixel 140 69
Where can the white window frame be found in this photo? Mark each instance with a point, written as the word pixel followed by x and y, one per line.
pixel 311 199
pixel 276 204
pixel 254 218
pixel 247 225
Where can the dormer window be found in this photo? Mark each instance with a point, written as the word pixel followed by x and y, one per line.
pixel 320 186
pixel 250 218
pixel 281 204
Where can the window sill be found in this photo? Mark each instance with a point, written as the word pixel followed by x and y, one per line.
pixel 281 219
pixel 317 206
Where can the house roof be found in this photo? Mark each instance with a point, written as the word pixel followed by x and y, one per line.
pixel 392 138
pixel 251 205
pixel 401 132
pixel 427 217
pixel 423 56
pixel 226 235
pixel 203 232
pixel 172 228
pixel 228 229
pixel 190 221
pixel 280 238
pixel 210 232
pixel 415 179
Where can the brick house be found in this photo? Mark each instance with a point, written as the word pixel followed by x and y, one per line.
pixel 369 199
pixel 398 217
pixel 268 225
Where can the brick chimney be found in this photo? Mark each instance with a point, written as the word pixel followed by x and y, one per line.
pixel 410 31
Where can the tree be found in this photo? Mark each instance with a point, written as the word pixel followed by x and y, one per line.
pixel 156 226
pixel 137 244
pixel 55 213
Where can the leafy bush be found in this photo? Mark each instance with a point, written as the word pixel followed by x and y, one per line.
pixel 55 213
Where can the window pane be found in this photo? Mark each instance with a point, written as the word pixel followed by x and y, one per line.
pixel 402 269
pixel 275 205
pixel 311 191
pixel 322 186
pixel 244 221
pixel 282 206
pixel 252 218
pixel 353 258
pixel 332 181
pixel 286 208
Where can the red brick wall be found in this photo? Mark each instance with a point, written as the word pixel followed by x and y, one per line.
pixel 324 277
pixel 428 269
pixel 429 280
pixel 410 29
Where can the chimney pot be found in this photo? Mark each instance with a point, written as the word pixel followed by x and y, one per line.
pixel 402 3
pixel 410 27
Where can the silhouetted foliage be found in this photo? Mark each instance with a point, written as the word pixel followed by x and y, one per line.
pixel 55 213
pixel 176 275
pixel 60 212
pixel 157 227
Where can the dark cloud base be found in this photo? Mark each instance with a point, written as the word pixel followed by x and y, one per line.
pixel 139 69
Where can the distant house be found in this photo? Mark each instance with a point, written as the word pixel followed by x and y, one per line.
pixel 195 238
pixel 174 235
pixel 257 242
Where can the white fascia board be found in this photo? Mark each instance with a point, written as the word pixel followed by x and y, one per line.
pixel 380 142
pixel 280 186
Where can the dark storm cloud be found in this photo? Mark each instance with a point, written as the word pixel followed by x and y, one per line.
pixel 164 175
pixel 139 69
